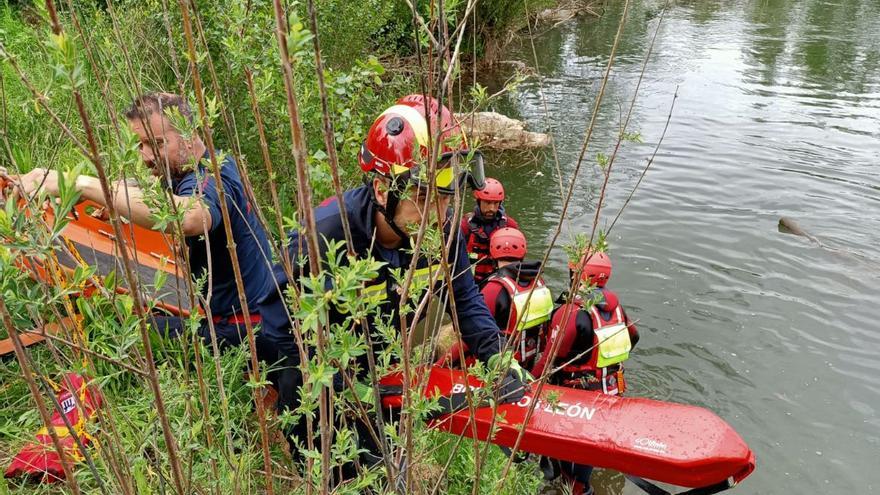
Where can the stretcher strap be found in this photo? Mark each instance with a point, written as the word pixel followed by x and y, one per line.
pixel 652 489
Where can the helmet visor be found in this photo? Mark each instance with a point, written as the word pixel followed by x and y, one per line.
pixel 467 164
pixel 470 171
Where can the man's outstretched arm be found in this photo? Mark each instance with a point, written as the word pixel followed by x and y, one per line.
pixel 127 199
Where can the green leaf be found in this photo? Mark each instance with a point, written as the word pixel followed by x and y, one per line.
pixel 633 137
pixel 159 279
pixel 5 223
pixel 364 393
pixel 125 304
pixel 110 280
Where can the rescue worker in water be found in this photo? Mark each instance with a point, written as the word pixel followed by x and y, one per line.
pixel 518 299
pixel 381 216
pixel 478 225
pixel 590 336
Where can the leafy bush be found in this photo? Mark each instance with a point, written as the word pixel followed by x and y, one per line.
pixel 110 52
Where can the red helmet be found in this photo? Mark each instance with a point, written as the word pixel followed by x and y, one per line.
pixel 493 191
pixel 398 141
pixel 597 269
pixel 507 243
pixel 397 144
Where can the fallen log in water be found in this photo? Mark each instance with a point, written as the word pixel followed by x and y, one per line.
pixel 496 131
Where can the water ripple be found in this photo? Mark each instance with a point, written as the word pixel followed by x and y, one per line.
pixel 777 115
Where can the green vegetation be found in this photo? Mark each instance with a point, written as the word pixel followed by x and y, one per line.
pixel 133 53
pixel 107 54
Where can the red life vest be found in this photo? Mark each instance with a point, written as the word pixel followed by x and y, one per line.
pixel 530 309
pixel 583 372
pixel 477 240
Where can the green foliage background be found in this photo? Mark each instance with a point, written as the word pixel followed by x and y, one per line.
pixel 118 49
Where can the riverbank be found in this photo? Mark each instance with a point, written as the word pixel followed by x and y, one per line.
pixel 108 54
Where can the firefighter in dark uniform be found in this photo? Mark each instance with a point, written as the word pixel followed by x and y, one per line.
pixel 381 215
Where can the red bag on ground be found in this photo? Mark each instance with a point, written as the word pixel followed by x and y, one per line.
pixel 39 460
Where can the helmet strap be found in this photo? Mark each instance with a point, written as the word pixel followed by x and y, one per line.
pixel 387 211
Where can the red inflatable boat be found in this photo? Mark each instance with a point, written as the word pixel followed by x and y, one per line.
pixel 683 445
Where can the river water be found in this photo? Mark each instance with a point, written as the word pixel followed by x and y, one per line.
pixel 778 114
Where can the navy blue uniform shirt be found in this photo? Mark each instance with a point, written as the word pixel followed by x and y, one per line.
pixel 478 329
pixel 251 243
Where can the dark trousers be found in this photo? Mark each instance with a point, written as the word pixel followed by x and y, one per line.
pixel 287 379
pixel 578 473
pixel 228 334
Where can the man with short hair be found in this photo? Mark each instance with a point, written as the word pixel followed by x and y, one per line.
pixel 478 225
pixel 182 164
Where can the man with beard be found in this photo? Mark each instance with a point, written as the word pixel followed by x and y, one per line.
pixel 181 161
pixel 477 227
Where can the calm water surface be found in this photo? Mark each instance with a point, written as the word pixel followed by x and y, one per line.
pixel 778 115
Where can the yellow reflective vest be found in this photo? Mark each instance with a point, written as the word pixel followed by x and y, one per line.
pixel 534 304
pixel 421 277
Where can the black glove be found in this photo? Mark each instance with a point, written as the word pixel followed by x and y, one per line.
pixel 511 388
pixel 563 297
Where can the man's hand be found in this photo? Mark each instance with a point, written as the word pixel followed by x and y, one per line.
pixel 513 385
pixel 512 388
pixel 38 179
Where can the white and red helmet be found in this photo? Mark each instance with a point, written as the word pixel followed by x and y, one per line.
pixel 398 143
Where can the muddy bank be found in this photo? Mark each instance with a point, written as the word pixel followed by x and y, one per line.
pixel 545 16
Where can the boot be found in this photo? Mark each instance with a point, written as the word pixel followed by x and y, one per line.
pixel 520 456
pixel 549 468
pixel 579 488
